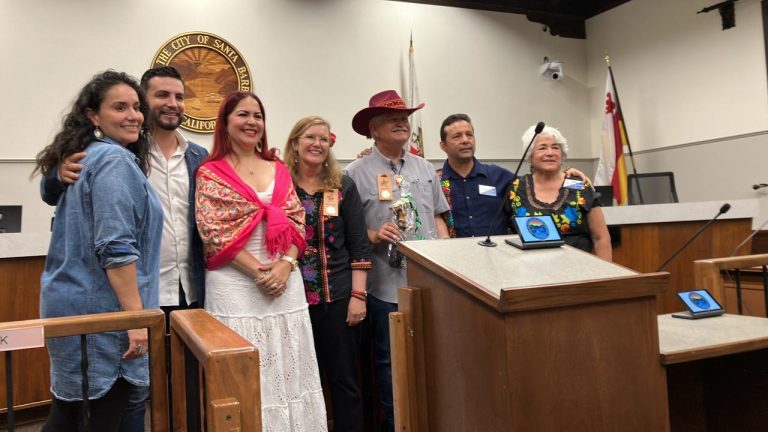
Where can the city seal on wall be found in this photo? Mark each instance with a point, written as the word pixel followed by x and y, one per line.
pixel 212 69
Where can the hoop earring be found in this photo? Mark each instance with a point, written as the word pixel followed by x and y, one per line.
pixel 97 133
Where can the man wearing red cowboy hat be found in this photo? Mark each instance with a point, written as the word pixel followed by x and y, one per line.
pixel 382 178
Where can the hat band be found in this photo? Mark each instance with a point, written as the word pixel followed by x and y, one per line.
pixel 396 103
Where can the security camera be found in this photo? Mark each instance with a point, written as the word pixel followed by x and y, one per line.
pixel 551 70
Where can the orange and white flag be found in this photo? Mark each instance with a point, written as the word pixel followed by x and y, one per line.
pixel 612 169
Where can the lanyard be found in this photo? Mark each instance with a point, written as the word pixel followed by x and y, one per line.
pixel 399 179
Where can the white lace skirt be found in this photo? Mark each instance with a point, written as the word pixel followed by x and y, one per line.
pixel 291 396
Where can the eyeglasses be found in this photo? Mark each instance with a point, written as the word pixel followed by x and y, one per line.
pixel 314 138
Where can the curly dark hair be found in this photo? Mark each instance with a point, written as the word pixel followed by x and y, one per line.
pixel 77 130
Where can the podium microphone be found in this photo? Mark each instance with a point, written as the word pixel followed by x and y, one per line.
pixel 723 209
pixel 487 242
pixel 759 186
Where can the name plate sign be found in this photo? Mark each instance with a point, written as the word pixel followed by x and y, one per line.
pixel 23 338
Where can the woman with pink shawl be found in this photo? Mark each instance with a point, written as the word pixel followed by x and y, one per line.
pixel 252 226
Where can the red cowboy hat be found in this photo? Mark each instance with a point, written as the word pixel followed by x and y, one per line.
pixel 380 103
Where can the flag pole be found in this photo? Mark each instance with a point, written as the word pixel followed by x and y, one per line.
pixel 411 83
pixel 418 139
pixel 618 103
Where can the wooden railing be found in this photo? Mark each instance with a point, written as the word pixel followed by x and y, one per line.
pixel 153 320
pixel 231 368
pixel 708 274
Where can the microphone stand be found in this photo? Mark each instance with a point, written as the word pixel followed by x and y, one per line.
pixel 487 242
pixel 723 209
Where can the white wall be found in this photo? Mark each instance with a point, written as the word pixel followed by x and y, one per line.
pixel 694 97
pixel 681 79
pixel 322 57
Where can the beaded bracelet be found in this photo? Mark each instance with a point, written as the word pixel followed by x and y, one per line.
pixel 360 295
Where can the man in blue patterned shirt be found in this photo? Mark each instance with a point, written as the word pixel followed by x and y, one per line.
pixel 474 190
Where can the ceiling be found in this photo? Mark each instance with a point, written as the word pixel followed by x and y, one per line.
pixel 561 17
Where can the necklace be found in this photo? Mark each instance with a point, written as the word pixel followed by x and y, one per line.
pixel 399 179
pixel 237 164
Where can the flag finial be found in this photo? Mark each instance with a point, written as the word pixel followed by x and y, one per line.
pixel 607 59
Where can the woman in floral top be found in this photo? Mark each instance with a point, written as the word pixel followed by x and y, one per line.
pixel 334 264
pixel 546 191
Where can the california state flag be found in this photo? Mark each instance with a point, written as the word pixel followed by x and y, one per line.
pixel 416 142
pixel 612 170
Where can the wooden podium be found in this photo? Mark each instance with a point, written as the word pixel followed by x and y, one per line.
pixel 500 339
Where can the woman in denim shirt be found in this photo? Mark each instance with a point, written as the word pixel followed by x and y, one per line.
pixel 104 251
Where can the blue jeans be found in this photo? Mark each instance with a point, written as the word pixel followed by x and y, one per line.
pixel 108 413
pixel 133 419
pixel 378 313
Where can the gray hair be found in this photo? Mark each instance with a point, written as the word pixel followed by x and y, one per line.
pixel 549 131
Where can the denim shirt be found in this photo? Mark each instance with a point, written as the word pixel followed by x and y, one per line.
pixel 107 219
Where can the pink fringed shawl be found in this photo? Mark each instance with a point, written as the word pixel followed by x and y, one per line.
pixel 228 210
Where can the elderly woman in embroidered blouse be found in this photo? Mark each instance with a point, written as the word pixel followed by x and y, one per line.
pixel 548 191
pixel 334 264
pixel 252 227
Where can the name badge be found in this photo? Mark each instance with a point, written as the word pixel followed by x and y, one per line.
pixel 487 190
pixel 331 202
pixel 573 184
pixel 385 187
pixel 22 338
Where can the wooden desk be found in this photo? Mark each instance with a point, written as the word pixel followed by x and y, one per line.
pixel 717 372
pixel 22 258
pixel 652 233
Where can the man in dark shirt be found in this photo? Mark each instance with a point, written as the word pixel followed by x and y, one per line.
pixel 473 189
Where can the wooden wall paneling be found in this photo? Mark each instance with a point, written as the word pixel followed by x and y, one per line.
pixel 752 293
pixel 760 242
pixel 19 301
pixel 639 247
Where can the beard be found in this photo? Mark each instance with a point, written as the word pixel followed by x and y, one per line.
pixel 156 120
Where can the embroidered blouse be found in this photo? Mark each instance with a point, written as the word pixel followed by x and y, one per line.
pixel 336 245
pixel 570 209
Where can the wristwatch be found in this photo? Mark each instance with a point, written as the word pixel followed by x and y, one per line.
pixel 290 260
